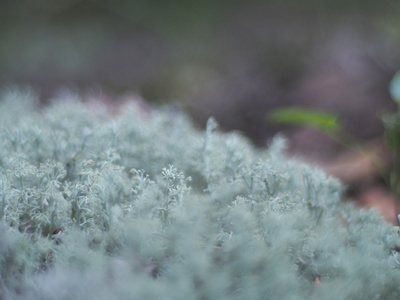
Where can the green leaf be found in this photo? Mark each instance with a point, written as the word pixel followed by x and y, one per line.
pixel 306 117
pixel 392 130
pixel 395 88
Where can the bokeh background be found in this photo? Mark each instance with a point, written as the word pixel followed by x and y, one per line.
pixel 233 59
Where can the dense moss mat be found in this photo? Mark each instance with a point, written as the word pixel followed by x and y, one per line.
pixel 144 206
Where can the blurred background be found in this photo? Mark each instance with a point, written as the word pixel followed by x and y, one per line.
pixel 231 59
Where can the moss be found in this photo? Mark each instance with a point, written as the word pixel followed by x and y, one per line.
pixel 144 206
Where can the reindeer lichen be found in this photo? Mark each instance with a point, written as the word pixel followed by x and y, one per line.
pixel 145 206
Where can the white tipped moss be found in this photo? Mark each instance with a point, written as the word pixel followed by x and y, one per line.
pixel 144 206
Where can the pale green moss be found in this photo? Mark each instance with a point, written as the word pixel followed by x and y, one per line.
pixel 144 206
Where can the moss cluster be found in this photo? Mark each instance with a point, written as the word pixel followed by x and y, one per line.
pixel 144 206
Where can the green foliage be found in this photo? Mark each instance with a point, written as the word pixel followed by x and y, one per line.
pixel 299 116
pixel 144 206
pixel 391 122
